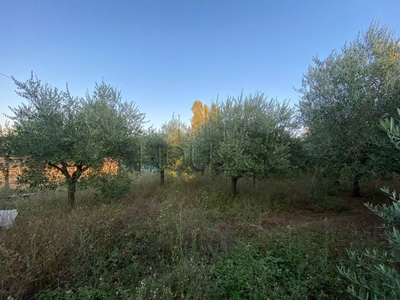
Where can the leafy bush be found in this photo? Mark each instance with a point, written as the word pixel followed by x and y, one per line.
pixel 112 187
pixel 374 274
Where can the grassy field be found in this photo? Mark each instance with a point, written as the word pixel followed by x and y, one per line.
pixel 279 239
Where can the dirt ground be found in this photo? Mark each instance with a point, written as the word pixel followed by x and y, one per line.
pixel 353 227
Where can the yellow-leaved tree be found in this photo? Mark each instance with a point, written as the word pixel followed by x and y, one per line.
pixel 201 114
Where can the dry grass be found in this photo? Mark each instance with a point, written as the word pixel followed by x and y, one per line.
pixel 175 231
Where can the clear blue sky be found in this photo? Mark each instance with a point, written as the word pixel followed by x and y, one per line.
pixel 164 55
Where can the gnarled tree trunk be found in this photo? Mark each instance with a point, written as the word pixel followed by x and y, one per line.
pixel 234 181
pixel 71 179
pixel 71 192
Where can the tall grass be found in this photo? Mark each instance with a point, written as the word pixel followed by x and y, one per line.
pixel 187 240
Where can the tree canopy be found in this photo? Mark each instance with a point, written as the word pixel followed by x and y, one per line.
pixel 71 134
pixel 245 136
pixel 165 148
pixel 343 95
pixel 201 113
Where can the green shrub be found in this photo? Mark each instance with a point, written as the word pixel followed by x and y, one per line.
pixel 374 274
pixel 112 187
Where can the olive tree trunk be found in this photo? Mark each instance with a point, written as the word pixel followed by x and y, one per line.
pixel 234 181
pixel 7 172
pixel 356 187
pixel 71 193
pixel 70 179
pixel 162 177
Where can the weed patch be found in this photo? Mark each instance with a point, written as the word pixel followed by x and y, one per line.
pixel 186 240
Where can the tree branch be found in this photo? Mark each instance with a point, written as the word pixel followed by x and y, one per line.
pixel 56 167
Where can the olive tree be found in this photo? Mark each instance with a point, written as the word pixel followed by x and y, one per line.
pixel 69 134
pixel 343 95
pixel 374 274
pixel 165 148
pixel 155 150
pixel 204 139
pixel 247 137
